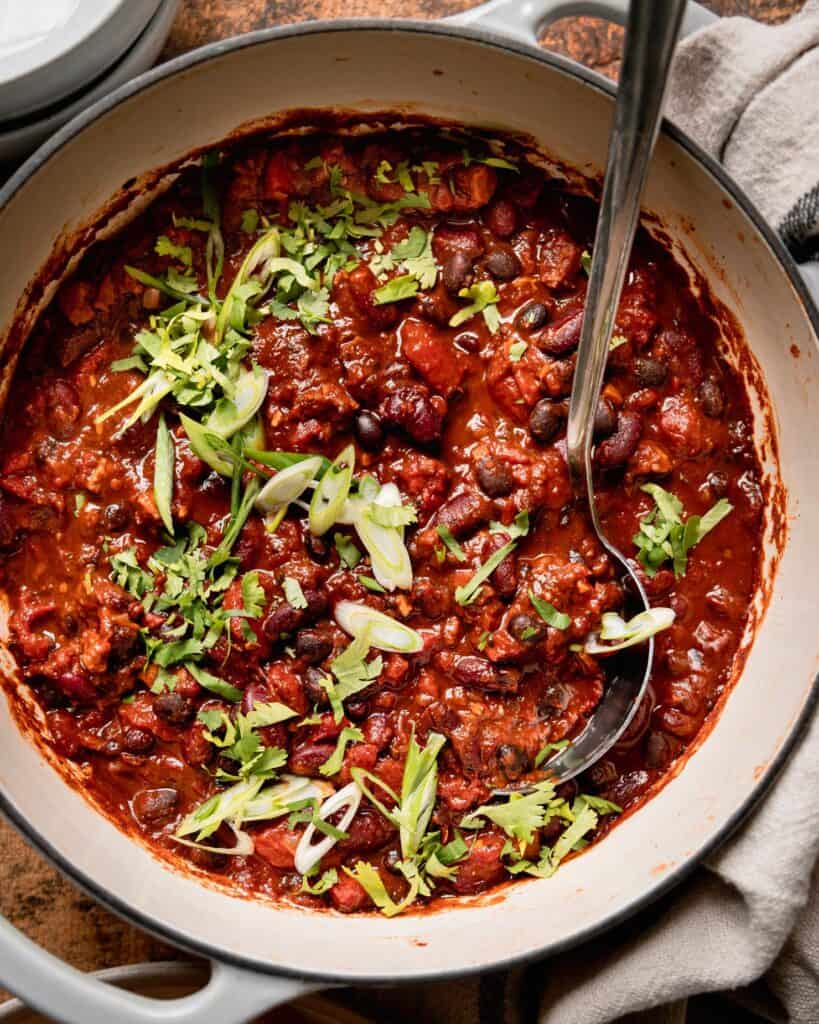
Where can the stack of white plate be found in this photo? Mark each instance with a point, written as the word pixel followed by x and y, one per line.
pixel 59 56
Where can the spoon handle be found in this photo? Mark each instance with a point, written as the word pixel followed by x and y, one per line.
pixel 651 34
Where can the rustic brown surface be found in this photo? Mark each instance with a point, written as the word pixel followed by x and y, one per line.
pixel 32 894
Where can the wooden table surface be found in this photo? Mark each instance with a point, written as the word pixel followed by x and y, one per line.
pixel 33 895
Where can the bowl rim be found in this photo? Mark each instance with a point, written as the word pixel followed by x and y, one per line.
pixel 723 180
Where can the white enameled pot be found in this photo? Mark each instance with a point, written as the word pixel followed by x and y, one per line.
pixel 265 954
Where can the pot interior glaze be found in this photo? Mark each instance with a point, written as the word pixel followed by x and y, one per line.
pixel 414 69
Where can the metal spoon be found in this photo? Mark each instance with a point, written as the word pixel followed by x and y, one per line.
pixel 651 35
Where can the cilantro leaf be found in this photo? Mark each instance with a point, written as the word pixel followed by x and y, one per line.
pixel 665 536
pixel 550 615
pixel 349 734
pixel 253 595
pixel 396 290
pixel 484 297
pixel 165 247
pixel 293 593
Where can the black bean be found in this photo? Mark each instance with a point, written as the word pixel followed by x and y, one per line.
pixel 495 477
pixel 533 316
pixel 312 645
pixel 368 431
pixel 512 760
pixel 546 420
pixel 115 518
pixel 711 398
pixel 526 629
pixel 618 449
pixel 651 373
pixel 503 264
pixel 173 708
pixel 317 548
pixel 605 418
pixel 455 272
pixel 717 483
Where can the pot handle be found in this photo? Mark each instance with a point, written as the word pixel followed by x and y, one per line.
pixel 524 21
pixel 231 996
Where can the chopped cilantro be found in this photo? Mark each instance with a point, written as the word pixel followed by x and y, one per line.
pixel 253 595
pixel 324 884
pixel 665 536
pixel 397 289
pixel 250 221
pixel 347 551
pixel 349 734
pixel 454 547
pixel 293 593
pixel 484 298
pixel 550 615
pixel 467 593
pixel 165 247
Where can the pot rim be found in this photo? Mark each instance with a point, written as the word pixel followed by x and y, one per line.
pixel 591 80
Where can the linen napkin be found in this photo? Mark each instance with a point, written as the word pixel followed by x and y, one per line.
pixel 748 920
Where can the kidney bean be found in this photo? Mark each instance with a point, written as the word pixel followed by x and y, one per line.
pixel 313 689
pixel 505 577
pixel 503 264
pixel 316 603
pixel 206 859
pixel 533 316
pixel 152 805
pixel 651 373
pixel 456 272
pixel 512 760
pixel 561 336
pixel 711 398
pixel 307 757
pixel 618 449
pixel 368 431
pixel 471 670
pixel 546 419
pixel 464 513
pixel 415 411
pixel 379 730
pixel 137 741
pixel 526 629
pixel 173 708
pixel 494 477
pixel 63 410
pixel 282 621
pixel 313 646
pixel 367 831
pixel 502 218
pixel 602 774
pixel 605 418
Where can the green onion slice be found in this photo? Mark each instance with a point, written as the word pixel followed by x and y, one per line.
pixel 308 853
pixel 287 485
pixel 627 634
pixel 164 457
pixel 332 491
pixel 228 416
pixel 382 632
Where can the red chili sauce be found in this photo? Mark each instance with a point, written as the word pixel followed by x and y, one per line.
pixel 466 421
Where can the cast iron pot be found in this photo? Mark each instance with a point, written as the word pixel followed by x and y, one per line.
pixel 262 954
